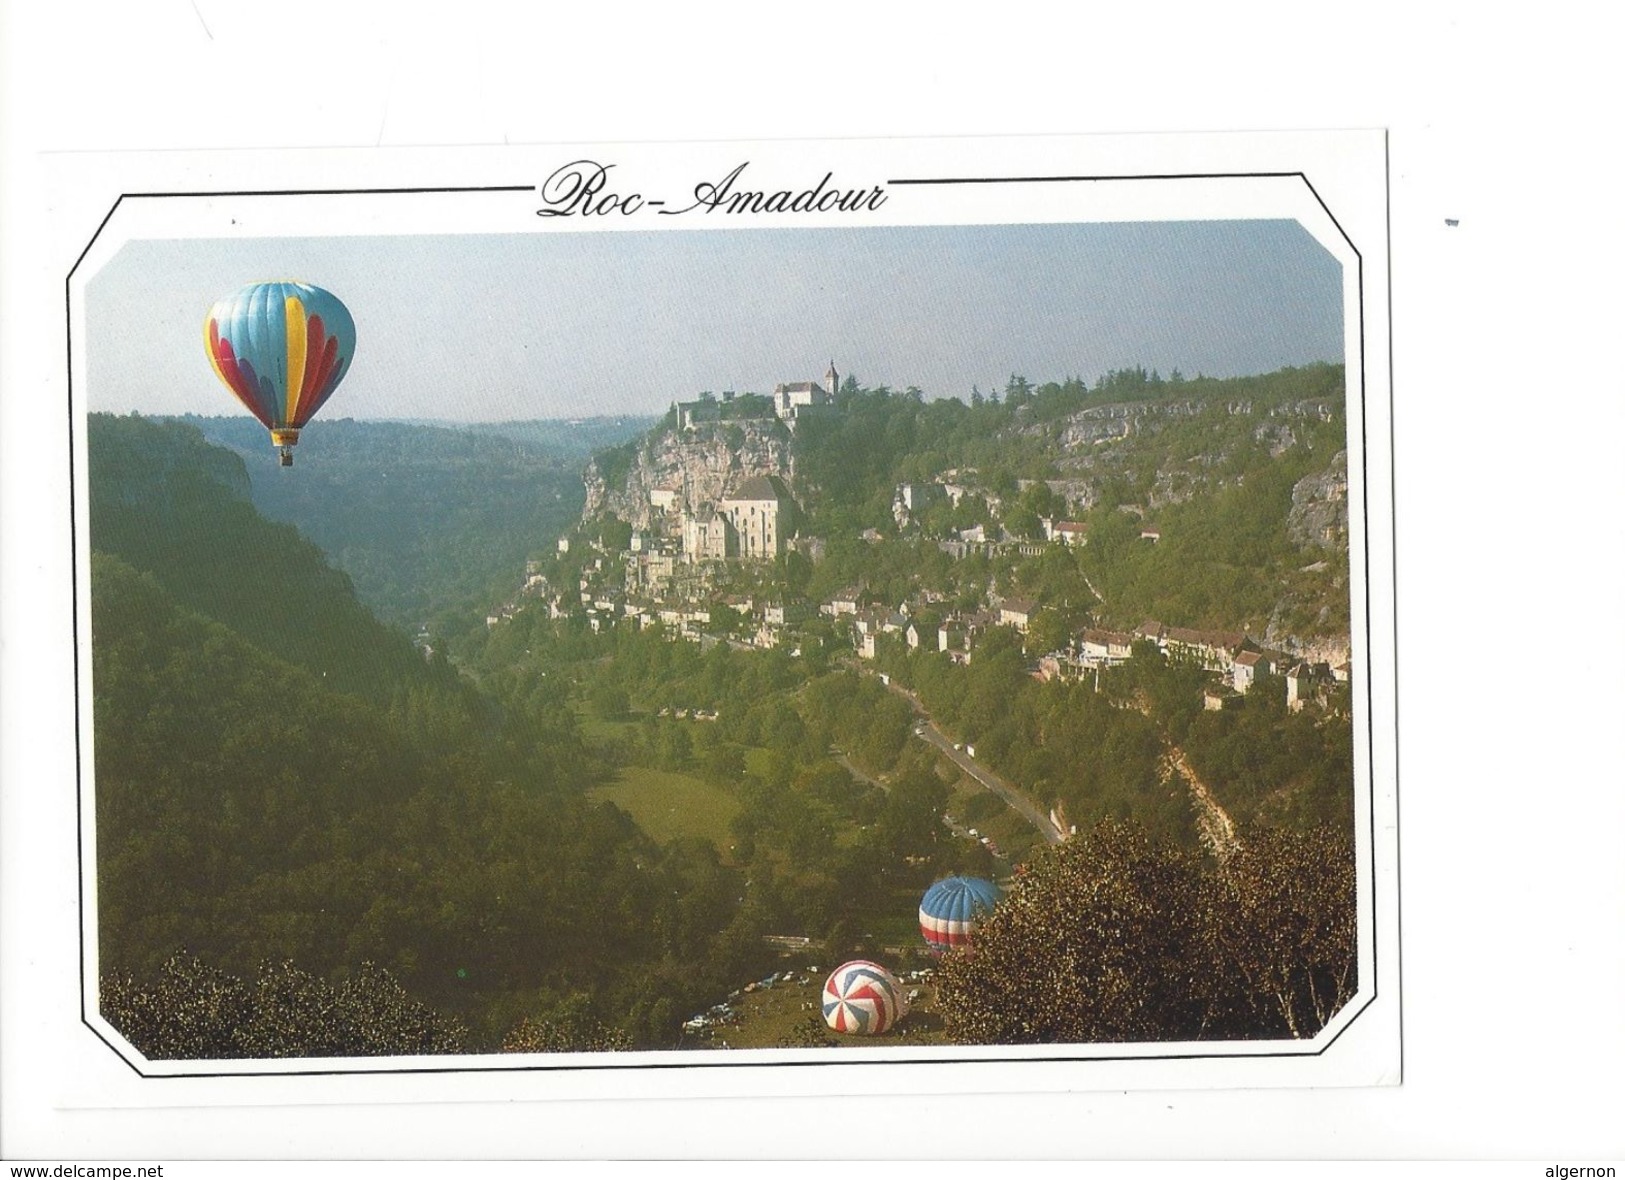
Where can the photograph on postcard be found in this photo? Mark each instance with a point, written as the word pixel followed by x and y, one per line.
pixel 668 642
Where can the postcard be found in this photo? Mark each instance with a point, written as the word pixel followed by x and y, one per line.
pixel 788 617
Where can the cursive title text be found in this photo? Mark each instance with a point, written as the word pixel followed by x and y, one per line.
pixel 583 188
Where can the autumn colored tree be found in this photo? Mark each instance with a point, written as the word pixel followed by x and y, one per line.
pixel 1115 936
pixel 1282 919
pixel 1099 940
pixel 570 1027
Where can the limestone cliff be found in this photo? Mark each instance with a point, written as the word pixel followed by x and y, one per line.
pixel 1320 507
pixel 1113 441
pixel 1119 420
pixel 698 465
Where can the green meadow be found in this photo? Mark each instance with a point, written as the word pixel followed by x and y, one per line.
pixel 670 805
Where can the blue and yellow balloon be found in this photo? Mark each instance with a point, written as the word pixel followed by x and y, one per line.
pixel 281 348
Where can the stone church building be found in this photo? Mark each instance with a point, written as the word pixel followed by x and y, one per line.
pixel 753 523
pixel 760 510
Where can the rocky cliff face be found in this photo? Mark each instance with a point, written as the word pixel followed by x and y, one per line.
pixel 699 465
pixel 1320 507
pixel 1332 651
pixel 1120 420
pixel 1084 463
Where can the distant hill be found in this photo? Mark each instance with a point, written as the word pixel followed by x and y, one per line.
pixel 431 522
pixel 566 437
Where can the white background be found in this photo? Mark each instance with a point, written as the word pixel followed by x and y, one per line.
pixel 1508 485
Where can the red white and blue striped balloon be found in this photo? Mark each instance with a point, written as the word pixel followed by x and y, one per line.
pixel 952 907
pixel 863 997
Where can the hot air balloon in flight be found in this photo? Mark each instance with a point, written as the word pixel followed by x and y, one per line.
pixel 281 348
pixel 863 997
pixel 951 908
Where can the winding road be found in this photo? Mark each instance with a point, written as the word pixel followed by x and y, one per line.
pixel 1214 825
pixel 948 821
pixel 1014 798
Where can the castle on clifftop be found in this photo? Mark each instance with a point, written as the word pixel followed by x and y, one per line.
pixel 789 398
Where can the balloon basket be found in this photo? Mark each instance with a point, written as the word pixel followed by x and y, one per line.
pixel 284 440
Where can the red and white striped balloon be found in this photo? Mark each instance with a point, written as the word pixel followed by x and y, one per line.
pixel 863 997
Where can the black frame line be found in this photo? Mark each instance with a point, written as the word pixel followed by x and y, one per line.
pixel 1068 179
pixel 708 1063
pixel 1393 488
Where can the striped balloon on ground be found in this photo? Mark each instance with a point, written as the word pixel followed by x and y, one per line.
pixel 952 907
pixel 863 997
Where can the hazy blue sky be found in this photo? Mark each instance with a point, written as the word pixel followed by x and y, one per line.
pixel 559 325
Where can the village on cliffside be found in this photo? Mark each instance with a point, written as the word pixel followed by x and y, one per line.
pixel 696 536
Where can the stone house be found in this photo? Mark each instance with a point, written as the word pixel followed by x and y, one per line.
pixel 1248 667
pixel 708 536
pixel 1017 613
pixel 784 614
pixel 1213 650
pixel 1105 649
pixel 1072 532
pixel 912 498
pixel 847 602
pixel 1304 683
pixel 915 496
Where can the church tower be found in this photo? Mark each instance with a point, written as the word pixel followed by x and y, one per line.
pixel 832 381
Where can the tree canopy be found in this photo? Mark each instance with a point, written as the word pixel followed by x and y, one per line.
pixel 1115 936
